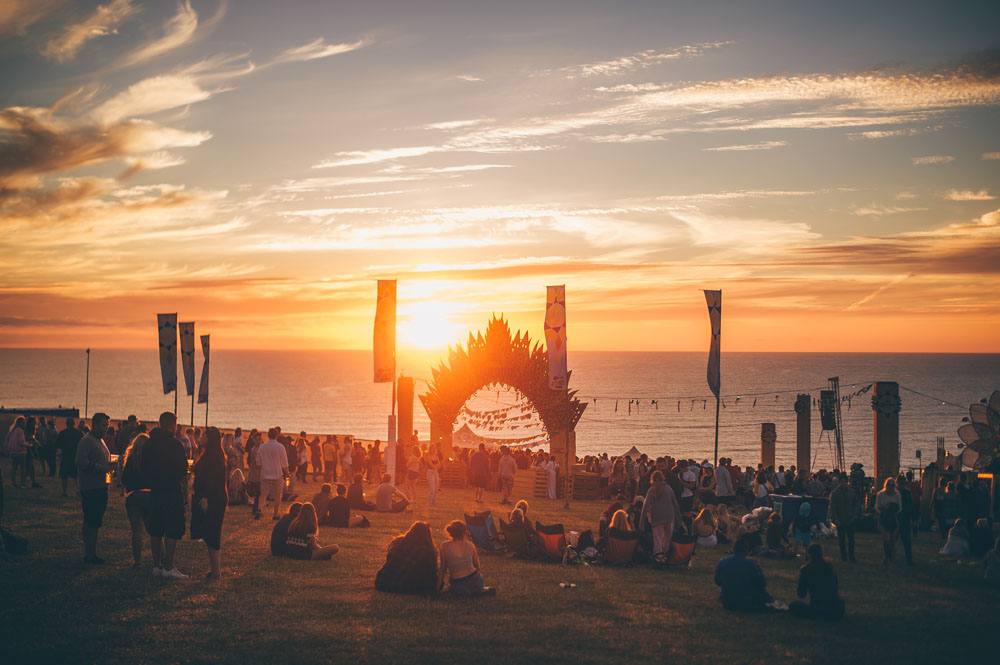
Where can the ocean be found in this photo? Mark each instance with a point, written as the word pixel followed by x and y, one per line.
pixel 333 392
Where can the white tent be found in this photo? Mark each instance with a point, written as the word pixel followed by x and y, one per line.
pixel 633 453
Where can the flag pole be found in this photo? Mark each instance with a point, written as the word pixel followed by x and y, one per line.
pixel 192 408
pixel 716 430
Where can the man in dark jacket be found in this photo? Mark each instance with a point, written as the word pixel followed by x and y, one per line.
pixel 164 469
pixel 844 509
pixel 818 579
pixel 742 581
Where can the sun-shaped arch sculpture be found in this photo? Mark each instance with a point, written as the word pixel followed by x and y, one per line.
pixel 497 358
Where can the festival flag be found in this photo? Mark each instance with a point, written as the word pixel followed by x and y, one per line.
pixel 167 324
pixel 186 331
pixel 555 336
pixel 384 341
pixel 714 300
pixel 203 387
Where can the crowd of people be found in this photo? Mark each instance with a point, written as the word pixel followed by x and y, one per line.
pixel 653 502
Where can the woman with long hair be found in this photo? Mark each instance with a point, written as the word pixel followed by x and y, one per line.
pixel 888 504
pixel 661 511
pixel 137 496
pixel 302 535
pixel 208 507
pixel 16 445
pixel 460 558
pixel 410 563
pixel 705 525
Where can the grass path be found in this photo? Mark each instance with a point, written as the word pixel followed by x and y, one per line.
pixel 56 610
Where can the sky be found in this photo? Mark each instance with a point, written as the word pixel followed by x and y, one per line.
pixel 834 168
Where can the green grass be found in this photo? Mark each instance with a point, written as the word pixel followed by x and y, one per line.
pixel 274 610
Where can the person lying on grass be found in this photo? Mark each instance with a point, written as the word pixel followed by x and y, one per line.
pixel 301 542
pixel 460 559
pixel 410 563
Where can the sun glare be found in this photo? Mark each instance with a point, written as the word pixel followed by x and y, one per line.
pixel 428 326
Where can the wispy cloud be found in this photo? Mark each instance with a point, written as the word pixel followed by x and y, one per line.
pixel 318 48
pixel 16 16
pixel 637 61
pixel 469 78
pixel 932 159
pixel 991 155
pixel 752 236
pixel 882 289
pixel 763 145
pixel 178 31
pixel 875 210
pixel 968 195
pixel 151 95
pixel 355 157
pixel 104 21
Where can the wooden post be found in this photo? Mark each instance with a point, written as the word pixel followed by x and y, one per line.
pixel 886 405
pixel 803 432
pixel 768 437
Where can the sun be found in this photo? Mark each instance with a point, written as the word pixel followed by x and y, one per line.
pixel 428 326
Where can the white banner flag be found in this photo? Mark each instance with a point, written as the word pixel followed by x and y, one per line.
pixel 555 336
pixel 167 324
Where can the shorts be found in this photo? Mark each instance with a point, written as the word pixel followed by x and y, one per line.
pixel 137 506
pixel 480 480
pixel 67 468
pixel 272 489
pixel 94 502
pixel 507 483
pixel 166 516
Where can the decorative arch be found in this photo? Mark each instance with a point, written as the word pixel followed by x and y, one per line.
pixel 497 358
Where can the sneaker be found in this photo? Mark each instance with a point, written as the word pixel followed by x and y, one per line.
pixel 157 571
pixel 174 574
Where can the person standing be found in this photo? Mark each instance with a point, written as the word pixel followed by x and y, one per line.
pixel 551 467
pixel 433 462
pixel 66 442
pixel 273 461
pixel 479 467
pixel 346 460
pixel 208 507
pixel 724 490
pixel 507 468
pixel 844 510
pixel 17 447
pixel 164 468
pixel 888 505
pixel 662 512
pixel 137 496
pixel 93 462
pixel 907 512
pixel 330 459
pixel 316 457
pixel 374 462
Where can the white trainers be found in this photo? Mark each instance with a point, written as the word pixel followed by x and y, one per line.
pixel 174 574
pixel 157 571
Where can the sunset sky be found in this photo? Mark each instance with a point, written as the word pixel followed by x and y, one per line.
pixel 834 168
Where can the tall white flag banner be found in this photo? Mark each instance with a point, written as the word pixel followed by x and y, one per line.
pixel 167 324
pixel 384 338
pixel 555 336
pixel 203 387
pixel 714 300
pixel 186 331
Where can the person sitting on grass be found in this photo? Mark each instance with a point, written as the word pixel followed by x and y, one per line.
pixel 279 534
pixel 388 499
pixel 321 501
pixel 356 495
pixel 958 540
pixel 605 519
pixel 801 525
pixel 991 564
pixel 818 579
pixel 522 505
pixel 460 559
pixel 339 514
pixel 301 542
pixel 776 540
pixel 705 526
pixel 742 582
pixel 410 563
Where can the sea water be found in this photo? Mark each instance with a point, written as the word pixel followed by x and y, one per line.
pixel 332 391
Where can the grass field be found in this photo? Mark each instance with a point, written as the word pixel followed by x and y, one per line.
pixel 271 610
